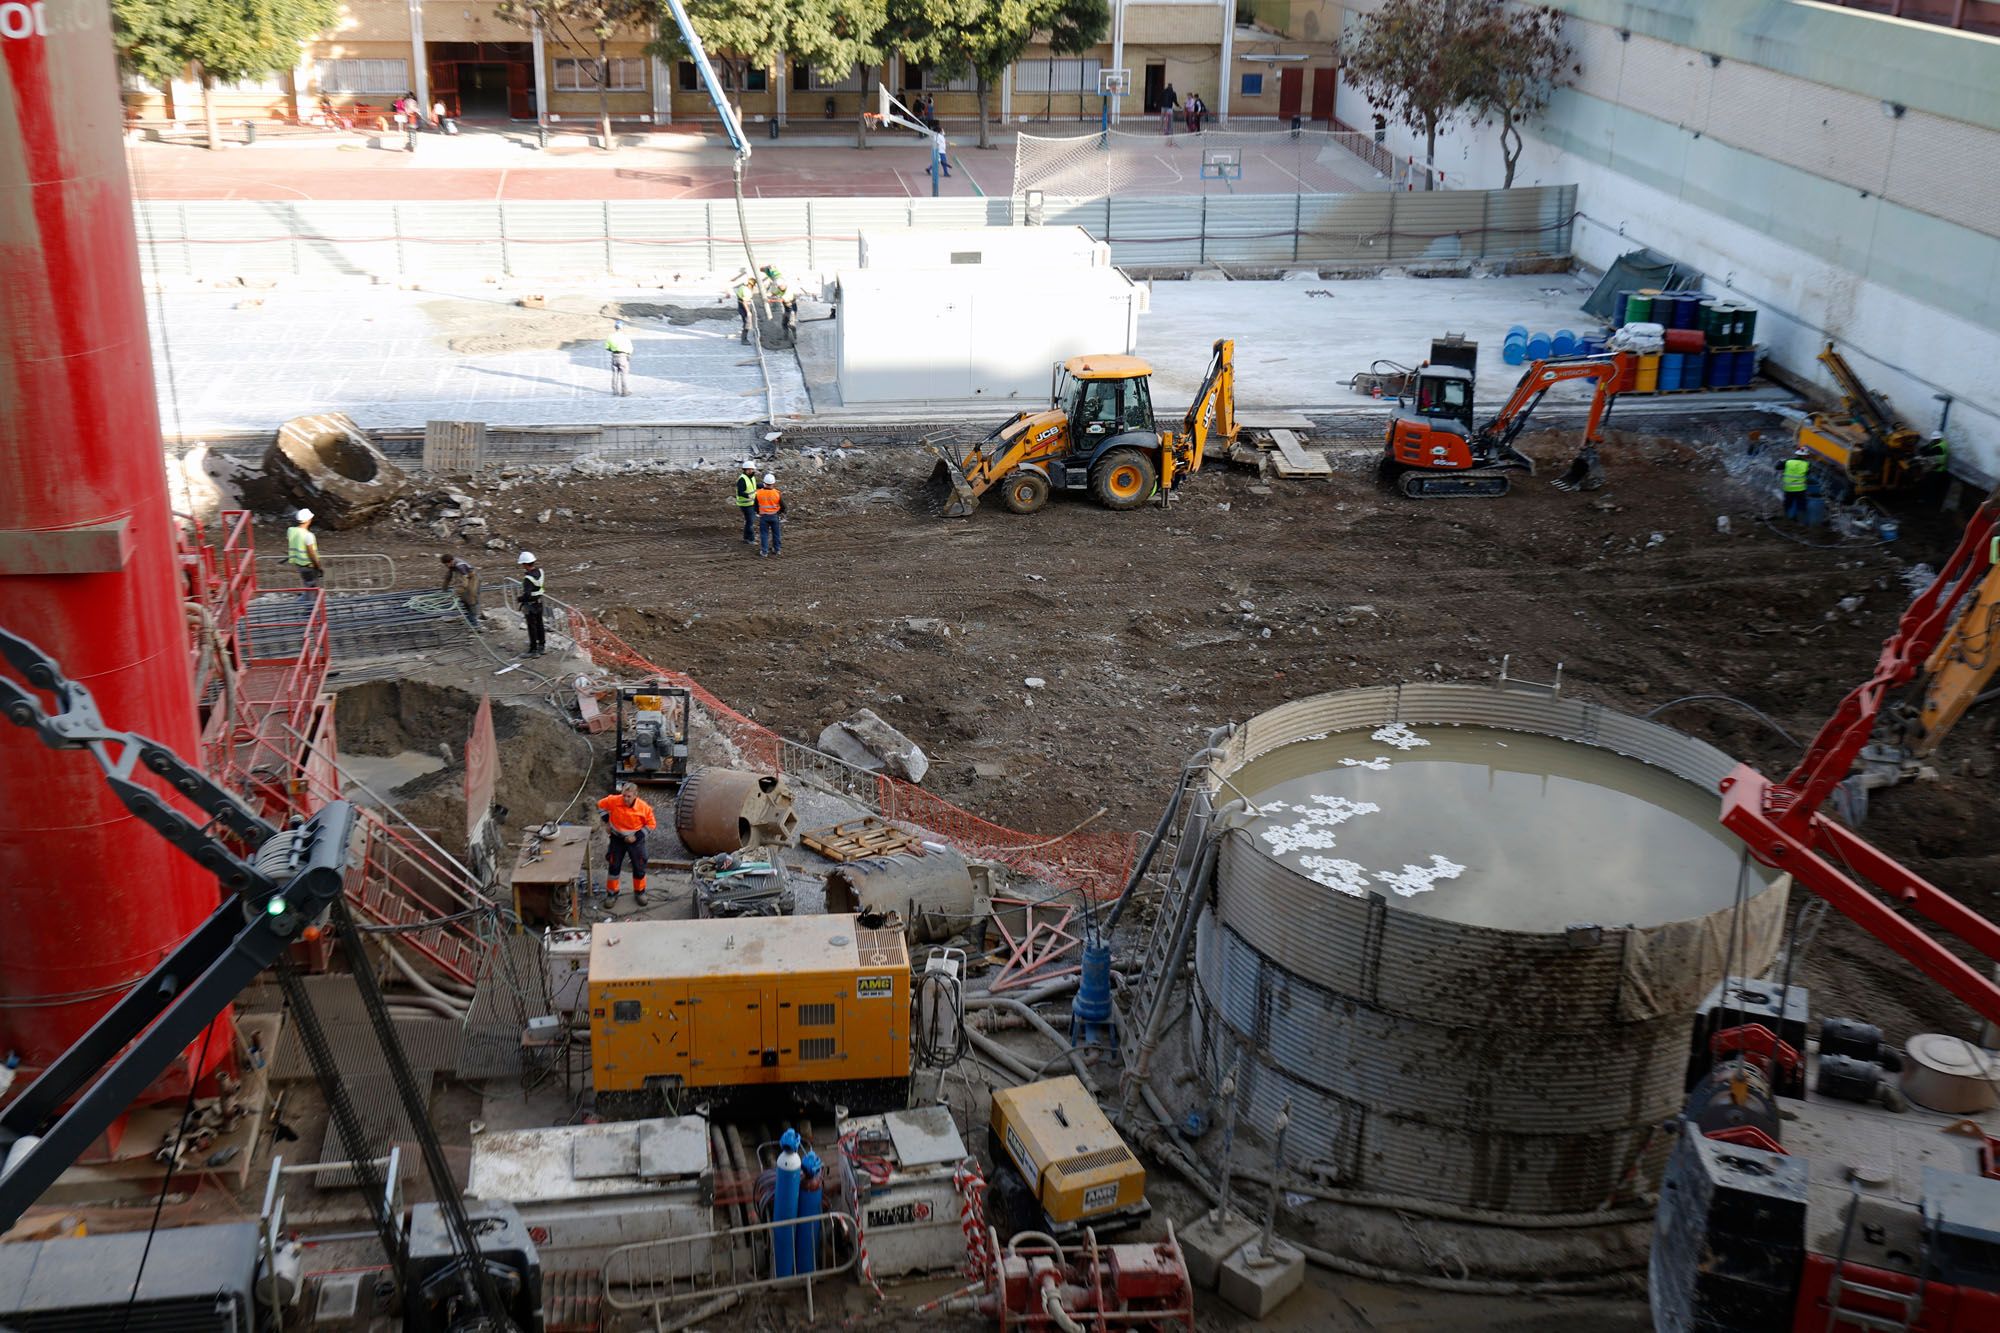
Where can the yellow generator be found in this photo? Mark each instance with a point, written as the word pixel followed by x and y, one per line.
pixel 1058 1165
pixel 816 1005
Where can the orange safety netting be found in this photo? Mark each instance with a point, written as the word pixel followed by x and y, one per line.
pixel 1095 864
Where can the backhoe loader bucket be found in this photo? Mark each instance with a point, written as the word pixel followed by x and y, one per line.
pixel 947 494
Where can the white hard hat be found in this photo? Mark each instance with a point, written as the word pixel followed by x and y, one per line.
pixel 770 479
pixel 749 465
pixel 526 558
pixel 305 516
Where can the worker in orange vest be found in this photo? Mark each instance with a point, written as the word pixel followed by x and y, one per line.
pixel 770 505
pixel 628 818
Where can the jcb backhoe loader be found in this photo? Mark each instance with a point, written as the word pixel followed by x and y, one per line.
pixel 1096 435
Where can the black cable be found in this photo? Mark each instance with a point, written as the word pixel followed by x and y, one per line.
pixel 1728 699
pixel 952 1002
pixel 173 1160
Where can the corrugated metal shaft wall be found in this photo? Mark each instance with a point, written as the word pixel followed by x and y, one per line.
pixel 412 240
pixel 1486 1068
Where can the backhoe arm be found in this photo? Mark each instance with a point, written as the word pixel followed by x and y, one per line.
pixel 1961 668
pixel 1212 412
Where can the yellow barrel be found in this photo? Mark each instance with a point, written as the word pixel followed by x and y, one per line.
pixel 1648 378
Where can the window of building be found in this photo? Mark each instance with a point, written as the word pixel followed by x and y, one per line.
pixel 623 74
pixel 364 76
pixel 269 84
pixel 826 81
pixel 754 81
pixel 930 81
pixel 1253 85
pixel 1061 76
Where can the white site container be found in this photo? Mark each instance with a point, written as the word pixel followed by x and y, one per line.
pixel 584 1190
pixel 931 335
pixel 1002 247
pixel 912 1220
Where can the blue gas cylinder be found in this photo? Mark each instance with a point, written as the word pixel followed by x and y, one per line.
pixel 806 1234
pixel 785 1205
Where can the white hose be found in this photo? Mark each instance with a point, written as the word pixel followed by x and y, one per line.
pixel 459 1008
pixel 1052 1306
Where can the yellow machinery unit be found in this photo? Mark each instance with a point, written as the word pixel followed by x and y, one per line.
pixel 1058 1165
pixel 1868 445
pixel 802 1002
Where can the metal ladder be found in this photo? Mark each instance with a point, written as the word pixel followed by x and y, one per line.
pixel 1909 1303
pixel 1178 895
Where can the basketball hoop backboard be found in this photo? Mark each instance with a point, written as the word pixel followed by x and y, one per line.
pixel 1114 82
pixel 1223 164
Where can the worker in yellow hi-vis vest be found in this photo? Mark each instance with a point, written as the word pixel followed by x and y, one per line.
pixel 1794 478
pixel 619 344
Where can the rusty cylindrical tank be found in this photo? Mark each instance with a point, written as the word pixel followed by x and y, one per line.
pixel 723 809
pixel 932 893
pixel 91 897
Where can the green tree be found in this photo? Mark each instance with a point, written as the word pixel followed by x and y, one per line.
pixel 754 34
pixel 1523 59
pixel 223 40
pixel 1417 62
pixel 1074 26
pixel 580 24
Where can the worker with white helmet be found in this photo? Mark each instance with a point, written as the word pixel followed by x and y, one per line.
pixel 302 553
pixel 770 504
pixel 746 497
pixel 1794 477
pixel 533 584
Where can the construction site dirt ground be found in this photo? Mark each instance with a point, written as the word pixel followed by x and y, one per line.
pixel 1141 631
pixel 1144 630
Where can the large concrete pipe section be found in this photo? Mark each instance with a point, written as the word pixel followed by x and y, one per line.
pixel 1465 934
pixel 91 898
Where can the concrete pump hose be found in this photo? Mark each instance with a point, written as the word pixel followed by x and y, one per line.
pixel 417 979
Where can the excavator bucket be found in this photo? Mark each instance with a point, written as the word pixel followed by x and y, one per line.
pixel 947 494
pixel 1585 473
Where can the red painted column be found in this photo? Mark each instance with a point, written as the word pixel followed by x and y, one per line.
pixel 90 898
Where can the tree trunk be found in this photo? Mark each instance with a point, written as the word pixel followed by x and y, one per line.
pixel 604 90
pixel 984 89
pixel 861 115
pixel 1430 151
pixel 1510 149
pixel 1049 111
pixel 208 107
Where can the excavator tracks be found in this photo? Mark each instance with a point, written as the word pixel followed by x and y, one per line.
pixel 1479 484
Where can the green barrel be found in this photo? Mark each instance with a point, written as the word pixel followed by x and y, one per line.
pixel 1713 322
pixel 1746 325
pixel 1639 306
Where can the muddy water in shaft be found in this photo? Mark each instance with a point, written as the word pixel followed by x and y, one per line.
pixel 1496 828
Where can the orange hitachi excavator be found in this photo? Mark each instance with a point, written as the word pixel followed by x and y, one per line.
pixel 1434 450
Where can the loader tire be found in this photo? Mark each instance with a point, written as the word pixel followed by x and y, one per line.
pixel 1024 492
pixel 1123 479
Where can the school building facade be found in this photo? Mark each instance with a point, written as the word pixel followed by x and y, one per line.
pixel 1280 55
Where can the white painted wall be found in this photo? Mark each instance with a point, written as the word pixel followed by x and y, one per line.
pixel 1910 294
pixel 922 335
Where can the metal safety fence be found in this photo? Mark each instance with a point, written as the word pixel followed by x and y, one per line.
pixel 432 241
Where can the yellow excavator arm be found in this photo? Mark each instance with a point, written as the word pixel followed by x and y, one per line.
pixel 1960 668
pixel 1212 414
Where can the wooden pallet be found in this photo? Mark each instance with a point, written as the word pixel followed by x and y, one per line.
pixel 866 836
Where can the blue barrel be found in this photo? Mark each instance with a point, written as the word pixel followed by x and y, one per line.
pixel 1590 346
pixel 1670 371
pixel 1746 365
pixel 1539 346
pixel 1515 350
pixel 806 1234
pixel 1564 343
pixel 785 1205
pixel 1718 370
pixel 1887 530
pixel 1687 313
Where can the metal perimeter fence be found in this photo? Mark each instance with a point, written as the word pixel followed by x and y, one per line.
pixel 321 240
pixel 1145 161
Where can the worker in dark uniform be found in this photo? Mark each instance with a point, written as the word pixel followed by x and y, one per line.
pixel 746 499
pixel 461 578
pixel 533 583
pixel 628 818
